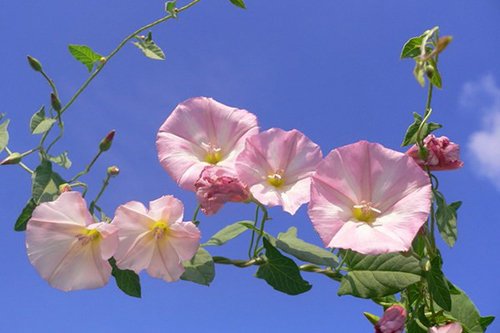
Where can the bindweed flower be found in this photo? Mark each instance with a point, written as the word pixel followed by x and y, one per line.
pixel 277 166
pixel 369 199
pixel 217 186
pixel 155 240
pixel 449 328
pixel 66 247
pixel 393 320
pixel 442 154
pixel 201 132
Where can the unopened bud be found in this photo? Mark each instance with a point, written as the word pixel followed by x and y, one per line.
pixel 54 101
pixel 107 141
pixel 13 158
pixel 425 264
pixel 113 171
pixel 102 60
pixel 64 188
pixel 429 71
pixel 142 37
pixel 423 153
pixel 35 64
pixel 443 43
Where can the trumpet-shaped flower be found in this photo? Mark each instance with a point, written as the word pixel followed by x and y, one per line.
pixel 201 132
pixel 66 247
pixel 217 186
pixel 369 199
pixel 450 328
pixel 155 240
pixel 393 320
pixel 277 166
pixel 442 155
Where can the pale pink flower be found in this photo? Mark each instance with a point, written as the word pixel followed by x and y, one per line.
pixel 277 166
pixel 66 247
pixel 442 154
pixel 393 320
pixel 450 328
pixel 369 199
pixel 218 185
pixel 201 132
pixel 156 240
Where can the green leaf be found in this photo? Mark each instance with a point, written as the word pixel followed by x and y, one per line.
pixel 200 269
pixel 62 160
pixel 150 49
pixel 226 234
pixel 4 135
pixel 438 286
pixel 411 48
pixel 238 3
pixel 85 55
pixel 411 132
pixel 379 275
pixel 25 216
pixel 289 243
pixel 170 8
pixel 45 186
pixel 39 124
pixel 436 77
pixel 126 280
pixel 446 219
pixel 413 327
pixel 486 321
pixel 281 272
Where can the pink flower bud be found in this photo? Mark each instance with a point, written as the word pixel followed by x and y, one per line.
pixel 107 141
pixel 450 328
pixel 393 320
pixel 442 154
pixel 218 185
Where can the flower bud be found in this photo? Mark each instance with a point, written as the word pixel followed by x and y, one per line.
pixel 64 188
pixel 54 101
pixel 102 60
pixel 429 71
pixel 449 328
pixel 13 158
pixel 393 320
pixel 442 154
pixel 217 186
pixel 35 64
pixel 443 43
pixel 425 264
pixel 107 141
pixel 113 171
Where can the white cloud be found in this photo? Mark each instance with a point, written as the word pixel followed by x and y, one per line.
pixel 484 145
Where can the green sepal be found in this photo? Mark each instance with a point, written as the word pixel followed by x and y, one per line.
pixel 200 269
pixel 371 318
pixel 128 281
pixel 25 216
pixel 281 272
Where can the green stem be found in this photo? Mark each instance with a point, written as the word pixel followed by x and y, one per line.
pixel 105 184
pixel 262 225
pixel 195 215
pixel 253 231
pixel 82 185
pixel 26 153
pixel 21 164
pixel 87 168
pixel 49 80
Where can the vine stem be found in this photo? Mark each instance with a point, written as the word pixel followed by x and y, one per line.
pixel 87 168
pixel 21 164
pixel 253 231
pixel 132 35
pixel 265 217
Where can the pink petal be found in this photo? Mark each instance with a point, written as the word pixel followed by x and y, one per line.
pixel 197 122
pixel 450 328
pixel 185 239
pixel 138 255
pixel 167 209
pixel 109 238
pixel 165 263
pixel 69 207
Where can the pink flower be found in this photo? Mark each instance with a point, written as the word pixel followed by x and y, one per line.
pixel 393 320
pixel 442 154
pixel 66 247
pixel 369 199
pixel 217 186
pixel 277 165
pixel 201 132
pixel 155 240
pixel 450 328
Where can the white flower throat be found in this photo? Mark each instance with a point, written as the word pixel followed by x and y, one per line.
pixel 365 212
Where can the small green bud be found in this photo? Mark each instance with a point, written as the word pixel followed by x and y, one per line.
pixel 425 264
pixel 423 153
pixel 429 71
pixel 35 64
pixel 107 141
pixel 113 171
pixel 103 60
pixel 54 101
pixel 64 188
pixel 13 158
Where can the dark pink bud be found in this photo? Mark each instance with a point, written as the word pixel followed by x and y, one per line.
pixel 218 185
pixel 107 141
pixel 393 320
pixel 441 154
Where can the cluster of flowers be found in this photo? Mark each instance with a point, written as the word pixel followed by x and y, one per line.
pixel 363 196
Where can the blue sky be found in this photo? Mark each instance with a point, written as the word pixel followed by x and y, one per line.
pixel 328 68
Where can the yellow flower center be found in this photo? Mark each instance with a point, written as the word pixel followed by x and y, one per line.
pixel 88 236
pixel 159 229
pixel 364 212
pixel 214 154
pixel 276 179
